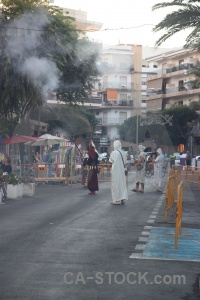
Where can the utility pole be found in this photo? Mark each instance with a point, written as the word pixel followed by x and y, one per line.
pixel 136 81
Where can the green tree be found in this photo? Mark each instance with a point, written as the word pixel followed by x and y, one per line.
pixel 185 16
pixel 162 134
pixel 127 130
pixel 182 115
pixel 195 70
pixel 70 120
pixel 43 54
pixel 195 106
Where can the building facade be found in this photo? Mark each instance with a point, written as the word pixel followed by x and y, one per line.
pixel 123 88
pixel 171 85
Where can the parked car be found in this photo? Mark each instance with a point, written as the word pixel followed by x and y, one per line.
pixel 103 157
pixel 177 158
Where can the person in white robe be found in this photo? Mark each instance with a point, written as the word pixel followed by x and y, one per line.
pixel 158 170
pixel 140 173
pixel 118 158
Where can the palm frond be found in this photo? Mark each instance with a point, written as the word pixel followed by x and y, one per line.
pixel 167 4
pixel 187 17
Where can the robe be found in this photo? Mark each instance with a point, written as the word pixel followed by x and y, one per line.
pixel 158 170
pixel 118 181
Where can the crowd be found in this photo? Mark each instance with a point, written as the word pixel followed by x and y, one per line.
pixel 118 159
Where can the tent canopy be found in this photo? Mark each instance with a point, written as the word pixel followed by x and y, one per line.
pixel 16 139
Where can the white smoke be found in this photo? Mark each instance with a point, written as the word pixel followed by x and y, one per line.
pixel 42 72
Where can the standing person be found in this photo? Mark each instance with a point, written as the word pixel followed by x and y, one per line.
pixel 84 170
pixel 140 170
pixel 1 157
pixel 158 169
pixel 92 164
pixel 6 166
pixel 118 160
pixel 188 159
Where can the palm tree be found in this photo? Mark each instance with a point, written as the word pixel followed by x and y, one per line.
pixel 187 16
pixel 195 83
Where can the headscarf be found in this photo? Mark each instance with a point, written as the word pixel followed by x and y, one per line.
pixel 91 151
pixel 159 151
pixel 141 148
pixel 117 145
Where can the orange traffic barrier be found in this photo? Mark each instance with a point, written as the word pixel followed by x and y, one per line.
pixel 170 188
pixel 179 208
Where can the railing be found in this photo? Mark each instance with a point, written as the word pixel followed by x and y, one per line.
pixel 117 85
pixel 118 103
pixel 185 66
pixel 171 91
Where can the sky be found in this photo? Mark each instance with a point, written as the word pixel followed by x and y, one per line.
pixel 115 14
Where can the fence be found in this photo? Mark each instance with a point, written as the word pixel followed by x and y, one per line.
pixel 179 208
pixel 169 197
pixel 58 172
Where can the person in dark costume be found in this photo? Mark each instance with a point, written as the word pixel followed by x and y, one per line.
pixel 92 164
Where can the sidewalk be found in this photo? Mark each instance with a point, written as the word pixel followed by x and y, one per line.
pixel 159 236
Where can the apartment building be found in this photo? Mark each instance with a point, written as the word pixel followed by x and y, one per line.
pixel 123 88
pixel 171 86
pixel 80 19
pixel 171 83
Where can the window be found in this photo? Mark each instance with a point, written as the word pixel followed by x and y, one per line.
pixel 144 101
pixel 105 81
pixel 144 83
pixel 181 85
pixel 180 103
pixel 123 81
pixel 123 97
pixel 122 117
pixel 105 118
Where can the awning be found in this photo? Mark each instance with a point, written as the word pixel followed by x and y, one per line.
pixel 155 84
pixel 155 104
pixel 112 95
pixel 16 139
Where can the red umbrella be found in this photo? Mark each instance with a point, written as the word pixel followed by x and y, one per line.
pixel 16 139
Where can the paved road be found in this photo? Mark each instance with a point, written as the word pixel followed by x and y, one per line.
pixel 64 244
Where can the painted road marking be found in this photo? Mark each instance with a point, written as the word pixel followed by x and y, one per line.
pixel 160 245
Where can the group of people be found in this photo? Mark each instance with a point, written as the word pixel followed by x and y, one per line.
pixel 141 169
pixel 118 159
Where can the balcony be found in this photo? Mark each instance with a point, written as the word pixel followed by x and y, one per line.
pixel 110 121
pixel 127 103
pixel 119 86
pixel 176 70
pixel 173 92
pixel 107 68
pixel 185 66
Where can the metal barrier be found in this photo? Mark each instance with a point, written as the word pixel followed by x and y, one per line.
pixel 179 208
pixel 105 169
pixel 192 174
pixel 170 189
pixel 61 172
pixel 45 172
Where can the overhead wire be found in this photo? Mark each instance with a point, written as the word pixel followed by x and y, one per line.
pixel 79 30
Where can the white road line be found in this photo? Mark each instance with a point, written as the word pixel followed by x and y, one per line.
pixel 143 239
pixel 145 232
pixel 140 246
